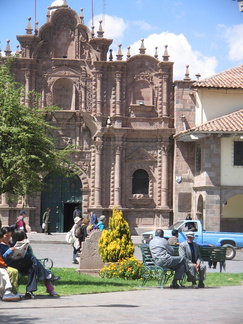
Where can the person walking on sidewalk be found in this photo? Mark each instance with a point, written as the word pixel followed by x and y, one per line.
pixel 46 219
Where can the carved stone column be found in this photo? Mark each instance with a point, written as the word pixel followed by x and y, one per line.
pixel 165 95
pixel 98 149
pixel 117 196
pixel 165 168
pixel 118 94
pixel 98 101
pixel 27 87
pixel 73 97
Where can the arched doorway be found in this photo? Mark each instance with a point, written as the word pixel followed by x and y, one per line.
pixel 199 212
pixel 62 195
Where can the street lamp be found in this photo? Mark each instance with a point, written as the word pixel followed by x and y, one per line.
pixel 240 3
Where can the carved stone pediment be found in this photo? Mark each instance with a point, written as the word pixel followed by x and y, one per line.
pixel 140 155
pixel 63 72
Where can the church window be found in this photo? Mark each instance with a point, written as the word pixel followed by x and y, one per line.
pixel 238 152
pixel 140 182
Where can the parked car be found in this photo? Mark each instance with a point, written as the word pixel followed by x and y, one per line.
pixel 229 239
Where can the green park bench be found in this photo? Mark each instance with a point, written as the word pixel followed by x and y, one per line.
pixel 163 275
pixel 152 270
pixel 210 253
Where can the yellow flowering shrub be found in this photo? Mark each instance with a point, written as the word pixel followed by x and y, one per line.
pixel 116 243
pixel 127 269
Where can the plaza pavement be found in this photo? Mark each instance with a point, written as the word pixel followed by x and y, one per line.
pixel 145 305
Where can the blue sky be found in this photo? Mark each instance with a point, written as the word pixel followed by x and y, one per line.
pixel 207 35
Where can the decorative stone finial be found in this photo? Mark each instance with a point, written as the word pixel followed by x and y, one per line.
pixel 17 51
pixel 111 55
pixel 100 32
pixel 156 52
pixel 119 53
pixel 166 55
pixel 92 31
pixel 198 76
pixel 48 16
pixel 81 15
pixel 29 29
pixel 128 52
pixel 36 27
pixel 142 49
pixel 187 77
pixel 8 50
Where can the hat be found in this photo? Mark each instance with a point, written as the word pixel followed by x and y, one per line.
pixel 22 212
pixel 102 217
pixel 77 220
pixel 189 234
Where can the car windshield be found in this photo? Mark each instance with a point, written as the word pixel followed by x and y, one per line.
pixel 176 225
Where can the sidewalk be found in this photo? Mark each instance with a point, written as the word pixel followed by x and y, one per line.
pixel 153 305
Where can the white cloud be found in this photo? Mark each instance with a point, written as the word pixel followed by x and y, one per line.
pixel 179 49
pixel 113 27
pixel 143 25
pixel 234 39
pixel 181 53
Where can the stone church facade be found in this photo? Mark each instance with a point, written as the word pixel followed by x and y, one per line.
pixel 117 111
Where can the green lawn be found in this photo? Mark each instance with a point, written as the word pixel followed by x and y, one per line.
pixel 74 283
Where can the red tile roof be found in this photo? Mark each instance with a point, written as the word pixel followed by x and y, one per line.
pixel 231 123
pixel 229 79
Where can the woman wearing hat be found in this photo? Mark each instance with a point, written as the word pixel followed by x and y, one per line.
pixel 101 224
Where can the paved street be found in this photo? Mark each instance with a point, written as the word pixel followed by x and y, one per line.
pixel 55 247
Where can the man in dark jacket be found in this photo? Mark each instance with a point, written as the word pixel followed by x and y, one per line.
pixel 190 251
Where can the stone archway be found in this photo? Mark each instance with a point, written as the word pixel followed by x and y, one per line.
pixel 199 211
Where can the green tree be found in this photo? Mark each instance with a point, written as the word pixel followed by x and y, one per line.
pixel 27 150
pixel 116 244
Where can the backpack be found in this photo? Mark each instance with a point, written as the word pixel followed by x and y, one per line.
pixel 78 231
pixel 69 238
pixel 13 226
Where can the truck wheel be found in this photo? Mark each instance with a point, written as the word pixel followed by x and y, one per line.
pixel 230 251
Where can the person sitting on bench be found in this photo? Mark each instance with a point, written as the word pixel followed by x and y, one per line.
pixel 163 252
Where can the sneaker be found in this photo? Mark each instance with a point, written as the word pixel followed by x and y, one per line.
pixel 53 293
pixel 55 278
pixel 11 297
pixel 29 295
pixel 52 278
pixel 75 262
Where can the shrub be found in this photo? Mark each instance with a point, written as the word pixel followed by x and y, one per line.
pixel 116 243
pixel 126 269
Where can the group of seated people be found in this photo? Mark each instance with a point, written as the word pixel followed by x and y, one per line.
pixel 188 262
pixel 28 265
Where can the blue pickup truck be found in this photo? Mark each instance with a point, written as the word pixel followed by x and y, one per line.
pixel 202 237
